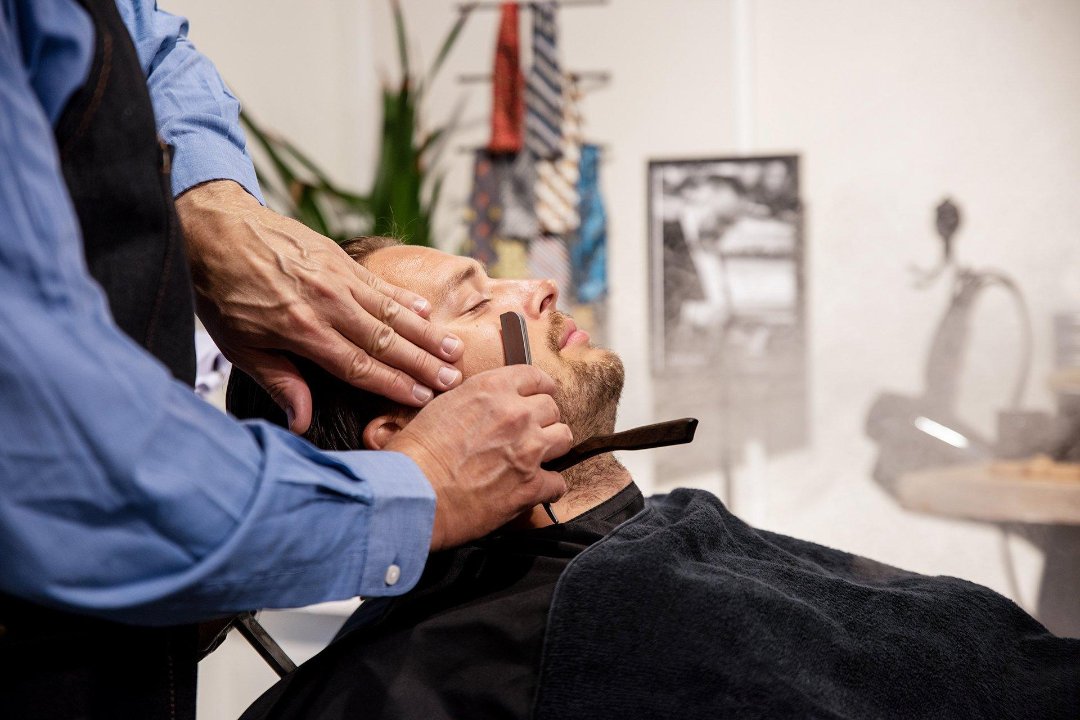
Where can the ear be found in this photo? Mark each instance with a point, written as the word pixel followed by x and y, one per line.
pixel 379 431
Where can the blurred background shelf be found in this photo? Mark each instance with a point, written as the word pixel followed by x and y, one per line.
pixel 976 493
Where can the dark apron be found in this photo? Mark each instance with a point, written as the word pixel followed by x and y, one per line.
pixel 58 665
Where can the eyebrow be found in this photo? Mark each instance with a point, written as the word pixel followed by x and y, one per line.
pixel 459 278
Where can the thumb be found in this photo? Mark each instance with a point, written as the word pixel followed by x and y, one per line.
pixel 284 383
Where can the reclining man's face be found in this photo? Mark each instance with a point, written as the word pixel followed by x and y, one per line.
pixel 468 303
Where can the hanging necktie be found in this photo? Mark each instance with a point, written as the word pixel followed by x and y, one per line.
pixel 508 86
pixel 485 210
pixel 549 257
pixel 556 186
pixel 543 94
pixel 517 193
pixel 588 251
pixel 557 201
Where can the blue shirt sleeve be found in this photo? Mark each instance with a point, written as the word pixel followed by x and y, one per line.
pixel 196 113
pixel 124 495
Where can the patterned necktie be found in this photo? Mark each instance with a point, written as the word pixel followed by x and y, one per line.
pixel 508 86
pixel 556 186
pixel 518 196
pixel 550 258
pixel 543 93
pixel 485 211
pixel 557 202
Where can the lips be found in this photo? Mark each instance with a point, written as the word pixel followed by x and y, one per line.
pixel 568 329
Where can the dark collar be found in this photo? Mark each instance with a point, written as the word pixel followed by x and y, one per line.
pixel 574 535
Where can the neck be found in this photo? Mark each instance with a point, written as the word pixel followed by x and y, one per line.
pixel 591 483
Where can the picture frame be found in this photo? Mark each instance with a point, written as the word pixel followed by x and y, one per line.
pixel 726 255
pixel 728 305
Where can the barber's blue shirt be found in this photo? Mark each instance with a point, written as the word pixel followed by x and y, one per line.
pixel 121 493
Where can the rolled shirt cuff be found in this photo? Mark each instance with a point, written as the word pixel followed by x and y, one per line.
pixel 200 156
pixel 400 523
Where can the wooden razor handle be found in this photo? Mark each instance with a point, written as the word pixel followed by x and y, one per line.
pixel 672 432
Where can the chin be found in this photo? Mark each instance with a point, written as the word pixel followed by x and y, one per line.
pixel 590 392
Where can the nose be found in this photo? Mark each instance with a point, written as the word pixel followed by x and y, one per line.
pixel 544 295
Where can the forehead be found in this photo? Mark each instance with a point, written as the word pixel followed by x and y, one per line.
pixel 425 271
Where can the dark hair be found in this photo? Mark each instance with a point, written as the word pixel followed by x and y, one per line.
pixel 339 411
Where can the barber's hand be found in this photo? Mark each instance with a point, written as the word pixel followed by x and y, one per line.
pixel 481 446
pixel 265 283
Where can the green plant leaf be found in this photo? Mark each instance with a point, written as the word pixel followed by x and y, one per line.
pixel 360 204
pixel 306 162
pixel 431 152
pixel 276 196
pixel 354 201
pixel 447 45
pixel 430 140
pixel 286 174
pixel 433 198
pixel 285 177
pixel 310 212
pixel 402 41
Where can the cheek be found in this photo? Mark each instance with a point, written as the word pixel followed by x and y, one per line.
pixel 483 348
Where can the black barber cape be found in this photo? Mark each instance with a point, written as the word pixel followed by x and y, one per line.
pixel 464 643
pixel 684 611
pixel 687 612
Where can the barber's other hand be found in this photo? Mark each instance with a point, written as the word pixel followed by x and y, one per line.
pixel 265 283
pixel 481 446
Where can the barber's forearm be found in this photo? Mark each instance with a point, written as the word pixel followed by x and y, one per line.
pixel 125 496
pixel 196 113
pixel 209 213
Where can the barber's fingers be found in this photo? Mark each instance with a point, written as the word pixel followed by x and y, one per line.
pixel 525 380
pixel 552 486
pixel 543 409
pixel 405 298
pixel 405 313
pixel 558 439
pixel 284 383
pixel 360 369
pixel 384 339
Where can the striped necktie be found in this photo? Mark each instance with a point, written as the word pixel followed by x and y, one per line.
pixel 543 91
pixel 556 186
pixel 549 257
pixel 557 202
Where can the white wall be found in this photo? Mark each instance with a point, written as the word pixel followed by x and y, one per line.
pixel 303 69
pixel 892 105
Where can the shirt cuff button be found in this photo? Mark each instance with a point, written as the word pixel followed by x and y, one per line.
pixel 393 574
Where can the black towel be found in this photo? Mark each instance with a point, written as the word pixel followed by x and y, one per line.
pixel 687 612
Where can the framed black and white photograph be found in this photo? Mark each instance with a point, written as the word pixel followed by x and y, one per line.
pixel 728 331
pixel 726 252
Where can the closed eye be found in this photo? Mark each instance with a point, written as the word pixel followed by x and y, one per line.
pixel 479 307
